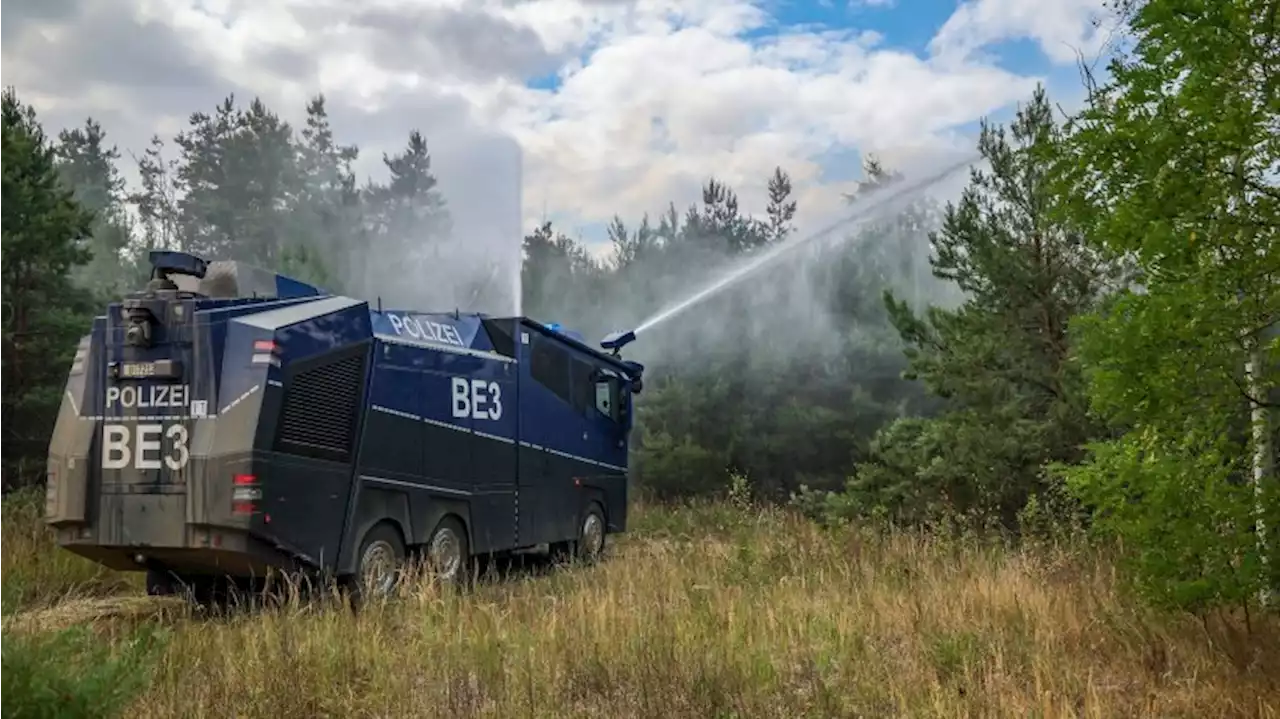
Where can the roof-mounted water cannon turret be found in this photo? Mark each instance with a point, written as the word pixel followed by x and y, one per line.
pixel 143 311
pixel 614 342
pixel 166 262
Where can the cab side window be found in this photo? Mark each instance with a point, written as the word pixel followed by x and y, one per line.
pixel 608 398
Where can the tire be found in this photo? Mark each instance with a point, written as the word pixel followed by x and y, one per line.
pixel 591 535
pixel 160 582
pixel 202 590
pixel 447 554
pixel 379 562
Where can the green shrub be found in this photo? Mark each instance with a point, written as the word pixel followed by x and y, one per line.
pixel 74 673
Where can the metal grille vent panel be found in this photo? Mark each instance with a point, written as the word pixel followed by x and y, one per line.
pixel 320 407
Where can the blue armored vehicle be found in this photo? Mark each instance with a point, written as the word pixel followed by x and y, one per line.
pixel 228 421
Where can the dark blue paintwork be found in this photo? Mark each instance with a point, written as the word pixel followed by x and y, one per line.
pixel 449 420
pixel 455 331
pixel 288 288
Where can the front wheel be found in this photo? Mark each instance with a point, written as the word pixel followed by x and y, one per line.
pixel 590 544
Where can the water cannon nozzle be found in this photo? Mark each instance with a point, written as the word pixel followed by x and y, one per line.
pixel 615 341
pixel 164 262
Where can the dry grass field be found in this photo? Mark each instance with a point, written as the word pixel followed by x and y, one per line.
pixel 707 611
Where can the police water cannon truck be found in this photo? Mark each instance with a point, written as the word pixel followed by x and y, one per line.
pixel 227 421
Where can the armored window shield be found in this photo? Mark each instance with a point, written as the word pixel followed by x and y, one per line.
pixel 550 367
pixel 501 335
pixel 583 385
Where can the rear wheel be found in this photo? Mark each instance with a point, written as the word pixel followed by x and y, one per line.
pixel 381 558
pixel 447 553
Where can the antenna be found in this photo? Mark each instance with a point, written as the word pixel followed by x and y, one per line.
pixel 379 303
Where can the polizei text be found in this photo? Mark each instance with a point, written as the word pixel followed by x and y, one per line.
pixel 424 329
pixel 144 397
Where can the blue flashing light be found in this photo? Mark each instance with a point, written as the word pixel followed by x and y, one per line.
pixel 562 330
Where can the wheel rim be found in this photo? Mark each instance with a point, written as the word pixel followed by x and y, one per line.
pixel 378 567
pixel 593 534
pixel 445 554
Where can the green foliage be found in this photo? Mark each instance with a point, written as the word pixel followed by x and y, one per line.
pixel 74 673
pixel 44 230
pixel 1072 333
pixel 783 377
pixel 1172 168
pixel 88 167
pixel 1185 519
pixel 1000 360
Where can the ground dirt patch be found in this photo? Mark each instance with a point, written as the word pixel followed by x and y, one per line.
pixel 91 611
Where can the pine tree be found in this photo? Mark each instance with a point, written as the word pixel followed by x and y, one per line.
pixel 1001 360
pixel 325 226
pixel 408 225
pixel 87 165
pixel 44 229
pixel 239 179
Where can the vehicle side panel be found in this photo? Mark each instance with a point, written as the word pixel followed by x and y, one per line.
pixel 305 442
pixel 570 454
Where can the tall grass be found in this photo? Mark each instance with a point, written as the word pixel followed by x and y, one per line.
pixel 716 611
pixel 35 572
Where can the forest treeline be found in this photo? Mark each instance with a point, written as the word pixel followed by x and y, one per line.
pixel 1068 343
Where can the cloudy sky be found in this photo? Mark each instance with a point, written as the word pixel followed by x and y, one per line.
pixel 618 106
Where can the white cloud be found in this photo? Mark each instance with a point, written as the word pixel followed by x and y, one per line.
pixel 656 95
pixel 1062 28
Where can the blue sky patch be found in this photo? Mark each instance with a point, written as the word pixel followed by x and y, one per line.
pixel 841 164
pixel 550 81
pixel 904 26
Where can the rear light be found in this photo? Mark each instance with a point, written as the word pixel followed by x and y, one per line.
pixel 264 352
pixel 245 493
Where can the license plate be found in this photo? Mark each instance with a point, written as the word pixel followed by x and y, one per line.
pixel 166 369
pixel 134 370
